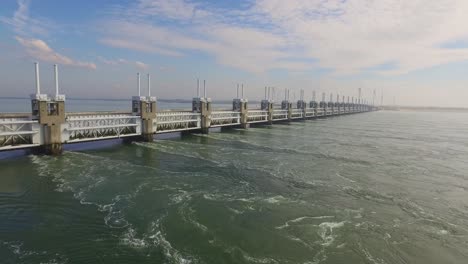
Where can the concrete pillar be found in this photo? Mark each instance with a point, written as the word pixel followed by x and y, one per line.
pixel 51 116
pixel 314 105
pixel 205 107
pixel 240 105
pixel 286 105
pixel 267 105
pixel 301 104
pixel 147 111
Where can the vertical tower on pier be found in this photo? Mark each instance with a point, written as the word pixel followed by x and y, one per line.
pixel 342 105
pixel 240 105
pixel 337 104
pixel 359 102
pixel 50 112
pixel 286 105
pixel 330 104
pixel 202 105
pixel 323 105
pixel 348 106
pixel 313 104
pixel 145 107
pixel 301 104
pixel 267 104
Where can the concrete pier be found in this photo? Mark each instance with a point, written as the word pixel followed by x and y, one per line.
pixel 240 105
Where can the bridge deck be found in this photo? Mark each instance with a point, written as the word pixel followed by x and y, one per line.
pixel 20 130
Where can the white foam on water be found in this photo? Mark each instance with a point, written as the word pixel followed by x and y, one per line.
pixel 246 200
pixel 341 245
pixel 258 260
pixel 296 239
pixel 181 196
pixel 130 239
pixel 157 238
pixel 443 232
pixel 299 219
pixel 179 150
pixel 371 258
pixel 326 232
pixel 188 215
pixel 154 238
pixel 275 199
pixel 345 178
pixel 217 197
pixel 235 211
pixel 18 250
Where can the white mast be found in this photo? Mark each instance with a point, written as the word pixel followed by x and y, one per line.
pixel 204 88
pixel 38 82
pixel 149 85
pixel 56 80
pixel 138 84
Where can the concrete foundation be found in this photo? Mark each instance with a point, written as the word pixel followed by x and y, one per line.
pixel 267 105
pixel 240 105
pixel 205 107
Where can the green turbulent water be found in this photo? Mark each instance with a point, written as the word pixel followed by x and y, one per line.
pixel 381 187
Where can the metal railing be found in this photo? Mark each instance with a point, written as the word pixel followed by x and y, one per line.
pixel 297 113
pixel 86 127
pixel 176 121
pixel 224 118
pixel 280 114
pixel 19 132
pixel 320 111
pixel 310 112
pixel 257 116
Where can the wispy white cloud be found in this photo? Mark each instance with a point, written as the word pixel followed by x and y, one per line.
pixel 197 28
pixel 347 37
pixel 140 65
pixel 175 9
pixel 26 28
pixel 39 50
pixel 23 24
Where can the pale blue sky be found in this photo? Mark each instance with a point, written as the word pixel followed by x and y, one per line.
pixel 415 51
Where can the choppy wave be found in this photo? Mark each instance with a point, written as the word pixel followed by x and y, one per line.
pixel 300 219
pixel 326 231
pixel 154 237
pixel 24 255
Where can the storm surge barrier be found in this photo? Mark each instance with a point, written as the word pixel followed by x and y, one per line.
pixel 48 127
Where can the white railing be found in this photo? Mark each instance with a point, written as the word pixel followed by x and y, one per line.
pixel 176 121
pixel 329 112
pixel 320 111
pixel 310 112
pixel 19 132
pixel 224 118
pixel 297 113
pixel 256 116
pixel 280 114
pixel 86 127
